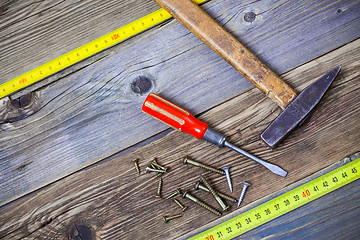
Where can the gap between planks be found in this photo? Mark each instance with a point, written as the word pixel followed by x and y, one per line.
pixel 113 201
pixel 89 115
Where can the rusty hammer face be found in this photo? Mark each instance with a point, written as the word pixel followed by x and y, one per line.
pixel 296 108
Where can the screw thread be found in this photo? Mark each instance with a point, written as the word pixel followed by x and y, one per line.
pixel 201 165
pixel 180 205
pixel 153 162
pixel 202 204
pixel 245 186
pixel 148 169
pixel 158 194
pixel 207 207
pixel 216 196
pixel 222 195
pixel 136 166
pixel 168 218
pixel 174 194
pixel 155 167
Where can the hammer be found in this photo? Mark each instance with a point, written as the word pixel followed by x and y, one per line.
pixel 296 108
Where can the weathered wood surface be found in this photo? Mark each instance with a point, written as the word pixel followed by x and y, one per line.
pixel 333 216
pixel 35 32
pixel 114 202
pixel 94 113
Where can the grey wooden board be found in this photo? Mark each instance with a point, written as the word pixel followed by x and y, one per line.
pixel 333 216
pixel 93 113
pixel 34 32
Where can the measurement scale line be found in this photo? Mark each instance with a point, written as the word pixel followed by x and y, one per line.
pixel 85 51
pixel 284 203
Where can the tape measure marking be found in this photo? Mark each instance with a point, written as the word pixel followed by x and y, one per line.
pixel 85 51
pixel 284 203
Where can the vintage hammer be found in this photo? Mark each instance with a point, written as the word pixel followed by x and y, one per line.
pixel 296 108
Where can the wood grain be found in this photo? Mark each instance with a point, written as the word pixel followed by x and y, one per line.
pixel 230 49
pixel 334 216
pixel 35 32
pixel 331 215
pixel 95 113
pixel 114 202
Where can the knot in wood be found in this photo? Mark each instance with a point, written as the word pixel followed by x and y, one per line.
pixel 249 16
pixel 23 101
pixel 141 85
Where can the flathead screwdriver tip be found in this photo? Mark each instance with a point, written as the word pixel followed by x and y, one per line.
pixel 273 168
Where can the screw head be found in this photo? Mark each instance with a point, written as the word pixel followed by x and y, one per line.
pixel 185 160
pixel 165 219
pixel 225 168
pixel 246 184
pixel 184 194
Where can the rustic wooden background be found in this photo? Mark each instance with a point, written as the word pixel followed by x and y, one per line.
pixel 66 143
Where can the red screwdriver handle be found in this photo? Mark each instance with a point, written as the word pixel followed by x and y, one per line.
pixel 173 115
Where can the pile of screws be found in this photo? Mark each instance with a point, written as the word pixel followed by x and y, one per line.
pixel 203 184
pixel 155 167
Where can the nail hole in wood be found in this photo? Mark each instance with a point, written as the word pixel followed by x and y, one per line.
pixel 249 16
pixel 339 11
pixel 141 85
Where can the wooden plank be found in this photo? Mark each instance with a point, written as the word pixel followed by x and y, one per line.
pixel 334 216
pixel 35 32
pixel 112 201
pixel 331 215
pixel 95 112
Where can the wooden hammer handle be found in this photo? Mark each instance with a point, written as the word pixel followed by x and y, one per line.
pixel 230 49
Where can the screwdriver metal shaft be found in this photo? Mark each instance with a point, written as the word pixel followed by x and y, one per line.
pixel 214 137
pixel 273 168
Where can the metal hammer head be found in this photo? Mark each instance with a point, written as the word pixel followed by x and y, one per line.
pixel 298 110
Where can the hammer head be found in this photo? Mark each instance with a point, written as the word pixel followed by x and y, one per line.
pixel 298 110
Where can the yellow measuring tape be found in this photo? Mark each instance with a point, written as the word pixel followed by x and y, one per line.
pixel 284 203
pixel 85 51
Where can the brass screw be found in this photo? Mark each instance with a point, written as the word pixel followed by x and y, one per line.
pixel 204 205
pixel 154 162
pixel 135 161
pixel 168 218
pixel 154 167
pixel 226 197
pixel 216 196
pixel 158 194
pixel 187 160
pixel 148 169
pixel 177 192
pixel 180 205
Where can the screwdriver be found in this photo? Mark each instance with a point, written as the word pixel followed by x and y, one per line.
pixel 180 119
